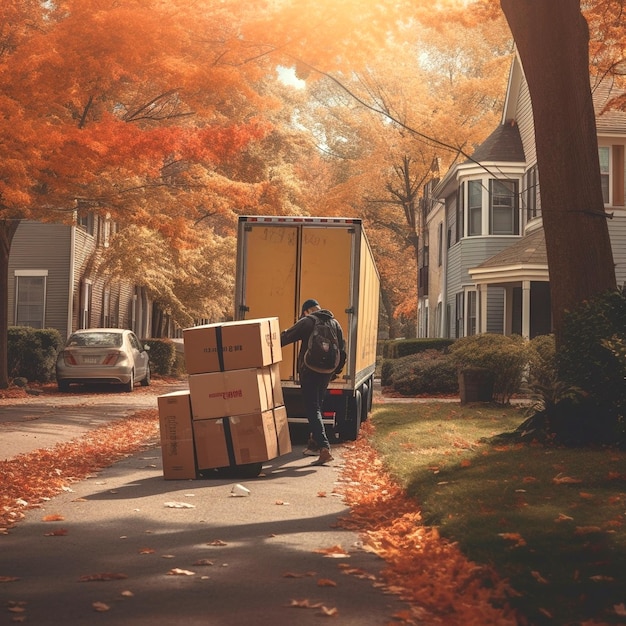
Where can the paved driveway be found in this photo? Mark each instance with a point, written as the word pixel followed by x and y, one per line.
pixel 181 552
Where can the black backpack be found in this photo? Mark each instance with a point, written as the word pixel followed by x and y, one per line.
pixel 323 351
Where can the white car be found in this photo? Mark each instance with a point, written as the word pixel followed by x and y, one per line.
pixel 103 355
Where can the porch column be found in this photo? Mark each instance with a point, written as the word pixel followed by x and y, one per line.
pixel 526 309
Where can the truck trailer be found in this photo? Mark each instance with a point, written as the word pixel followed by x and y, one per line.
pixel 283 261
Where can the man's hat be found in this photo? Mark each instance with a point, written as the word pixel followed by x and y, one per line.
pixel 309 304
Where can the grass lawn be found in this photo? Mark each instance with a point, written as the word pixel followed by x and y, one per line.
pixel 551 520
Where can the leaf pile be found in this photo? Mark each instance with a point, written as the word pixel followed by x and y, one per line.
pixel 429 573
pixel 28 479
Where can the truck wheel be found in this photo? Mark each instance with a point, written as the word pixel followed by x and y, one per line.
pixel 366 395
pixel 349 429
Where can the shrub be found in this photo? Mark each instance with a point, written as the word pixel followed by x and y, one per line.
pixel 398 348
pixel 504 356
pixel 32 352
pixel 162 356
pixel 429 372
pixel 589 358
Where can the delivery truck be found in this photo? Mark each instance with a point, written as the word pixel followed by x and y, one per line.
pixel 283 261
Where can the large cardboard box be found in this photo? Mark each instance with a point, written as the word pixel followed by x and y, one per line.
pixel 232 345
pixel 211 443
pixel 237 392
pixel 282 430
pixel 177 445
pixel 253 437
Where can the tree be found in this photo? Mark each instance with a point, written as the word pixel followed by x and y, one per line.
pixel 553 43
pixel 125 109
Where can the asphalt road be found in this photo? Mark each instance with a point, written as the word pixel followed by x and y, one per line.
pixel 180 552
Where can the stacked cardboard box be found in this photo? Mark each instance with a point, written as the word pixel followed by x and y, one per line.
pixel 233 413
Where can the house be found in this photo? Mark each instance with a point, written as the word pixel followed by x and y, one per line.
pixel 482 250
pixel 54 283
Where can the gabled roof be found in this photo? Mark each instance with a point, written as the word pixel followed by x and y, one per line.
pixel 503 145
pixel 608 121
pixel 526 259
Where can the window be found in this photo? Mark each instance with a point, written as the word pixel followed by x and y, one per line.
pixel 604 154
pixel 531 193
pixel 86 222
pixel 440 238
pixel 460 203
pixel 474 207
pixel 30 298
pixel 503 207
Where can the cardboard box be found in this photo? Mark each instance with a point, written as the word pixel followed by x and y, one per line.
pixel 282 430
pixel 275 382
pixel 177 445
pixel 253 437
pixel 211 443
pixel 230 346
pixel 237 392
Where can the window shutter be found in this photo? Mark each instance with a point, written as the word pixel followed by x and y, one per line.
pixel 618 175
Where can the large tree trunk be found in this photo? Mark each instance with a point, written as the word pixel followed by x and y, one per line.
pixel 552 38
pixel 7 231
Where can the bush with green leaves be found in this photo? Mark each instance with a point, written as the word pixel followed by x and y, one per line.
pixel 589 358
pixel 504 356
pixel 32 352
pixel 162 354
pixel 427 373
pixel 398 348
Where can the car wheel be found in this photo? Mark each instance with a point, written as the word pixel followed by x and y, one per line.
pixel 145 381
pixel 130 385
pixel 63 385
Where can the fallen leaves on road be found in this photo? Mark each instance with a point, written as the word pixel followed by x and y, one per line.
pixel 440 584
pixel 29 479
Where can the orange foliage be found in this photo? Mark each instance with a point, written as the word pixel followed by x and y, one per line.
pixel 422 568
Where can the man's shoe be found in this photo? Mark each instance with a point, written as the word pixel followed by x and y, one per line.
pixel 324 457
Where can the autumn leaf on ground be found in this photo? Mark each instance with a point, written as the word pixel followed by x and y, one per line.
pixel 516 537
pixel 217 542
pixel 326 612
pixel 8 579
pixel 334 552
pixel 202 562
pixel 179 505
pixel 326 582
pixel 321 494
pixel 559 479
pixel 100 606
pixel 54 517
pixel 539 578
pixel 293 575
pixel 587 530
pixel 87 578
pixel 620 609
pixel 281 503
pixel 564 518
pixel 180 572
pixel 127 594
pixel 59 532
pixel 304 604
pixel 147 551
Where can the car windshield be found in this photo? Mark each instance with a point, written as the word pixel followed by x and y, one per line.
pixel 95 340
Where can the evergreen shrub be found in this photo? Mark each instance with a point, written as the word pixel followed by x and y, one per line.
pixel 505 357
pixel 162 355
pixel 32 352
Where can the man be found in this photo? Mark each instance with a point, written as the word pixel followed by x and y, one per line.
pixel 314 383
